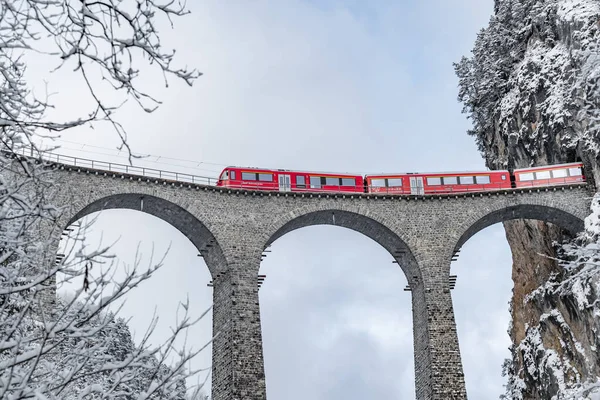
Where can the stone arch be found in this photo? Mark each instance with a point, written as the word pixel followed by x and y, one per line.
pixel 185 222
pixel 549 205
pixel 374 227
pixel 347 217
pixel 552 214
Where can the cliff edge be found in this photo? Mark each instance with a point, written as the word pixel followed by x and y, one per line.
pixel 532 90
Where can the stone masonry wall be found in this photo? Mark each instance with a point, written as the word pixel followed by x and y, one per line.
pixel 231 228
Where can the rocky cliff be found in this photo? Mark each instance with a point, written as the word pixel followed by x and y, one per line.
pixel 531 91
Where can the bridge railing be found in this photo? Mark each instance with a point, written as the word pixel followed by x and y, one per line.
pixel 118 168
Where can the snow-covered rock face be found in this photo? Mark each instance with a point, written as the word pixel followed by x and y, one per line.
pixel 528 81
pixel 592 222
pixel 532 91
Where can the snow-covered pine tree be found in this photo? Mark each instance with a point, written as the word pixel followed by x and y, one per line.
pixel 530 88
pixel 103 361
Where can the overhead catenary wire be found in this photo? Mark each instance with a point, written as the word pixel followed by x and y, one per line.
pixel 140 154
pixel 145 158
pixel 141 158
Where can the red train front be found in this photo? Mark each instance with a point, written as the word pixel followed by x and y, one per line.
pixel 289 181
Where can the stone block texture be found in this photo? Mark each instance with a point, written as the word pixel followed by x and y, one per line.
pixel 231 228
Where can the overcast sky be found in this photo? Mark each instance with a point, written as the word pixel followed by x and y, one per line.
pixel 343 86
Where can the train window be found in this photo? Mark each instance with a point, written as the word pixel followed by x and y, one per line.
pixel 332 181
pixel 395 182
pixel 527 176
pixel 232 175
pixel 300 181
pixel 450 180
pixel 224 176
pixel 377 182
pixel 434 181
pixel 503 177
pixel 348 182
pixel 467 180
pixel 483 179
pixel 542 175
pixel 315 182
pixel 265 177
pixel 559 173
pixel 575 172
pixel 248 176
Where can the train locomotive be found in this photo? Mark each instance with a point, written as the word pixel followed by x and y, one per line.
pixel 401 183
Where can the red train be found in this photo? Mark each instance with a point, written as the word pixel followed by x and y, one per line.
pixel 407 183
pixel 560 174
pixel 289 181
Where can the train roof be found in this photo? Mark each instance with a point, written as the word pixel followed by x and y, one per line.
pixel 548 166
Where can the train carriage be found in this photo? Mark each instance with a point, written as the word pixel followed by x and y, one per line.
pixel 401 184
pixel 438 183
pixel 289 181
pixel 549 175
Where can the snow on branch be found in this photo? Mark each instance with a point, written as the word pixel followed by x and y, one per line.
pixel 77 348
pixel 104 42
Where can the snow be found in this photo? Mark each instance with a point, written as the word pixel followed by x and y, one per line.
pixel 68 348
pixel 581 285
pixel 576 10
pixel 523 84
pixel 50 348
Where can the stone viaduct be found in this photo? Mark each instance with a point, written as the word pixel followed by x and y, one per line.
pixel 231 228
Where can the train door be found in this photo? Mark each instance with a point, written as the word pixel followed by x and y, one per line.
pixel 285 183
pixel 416 185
